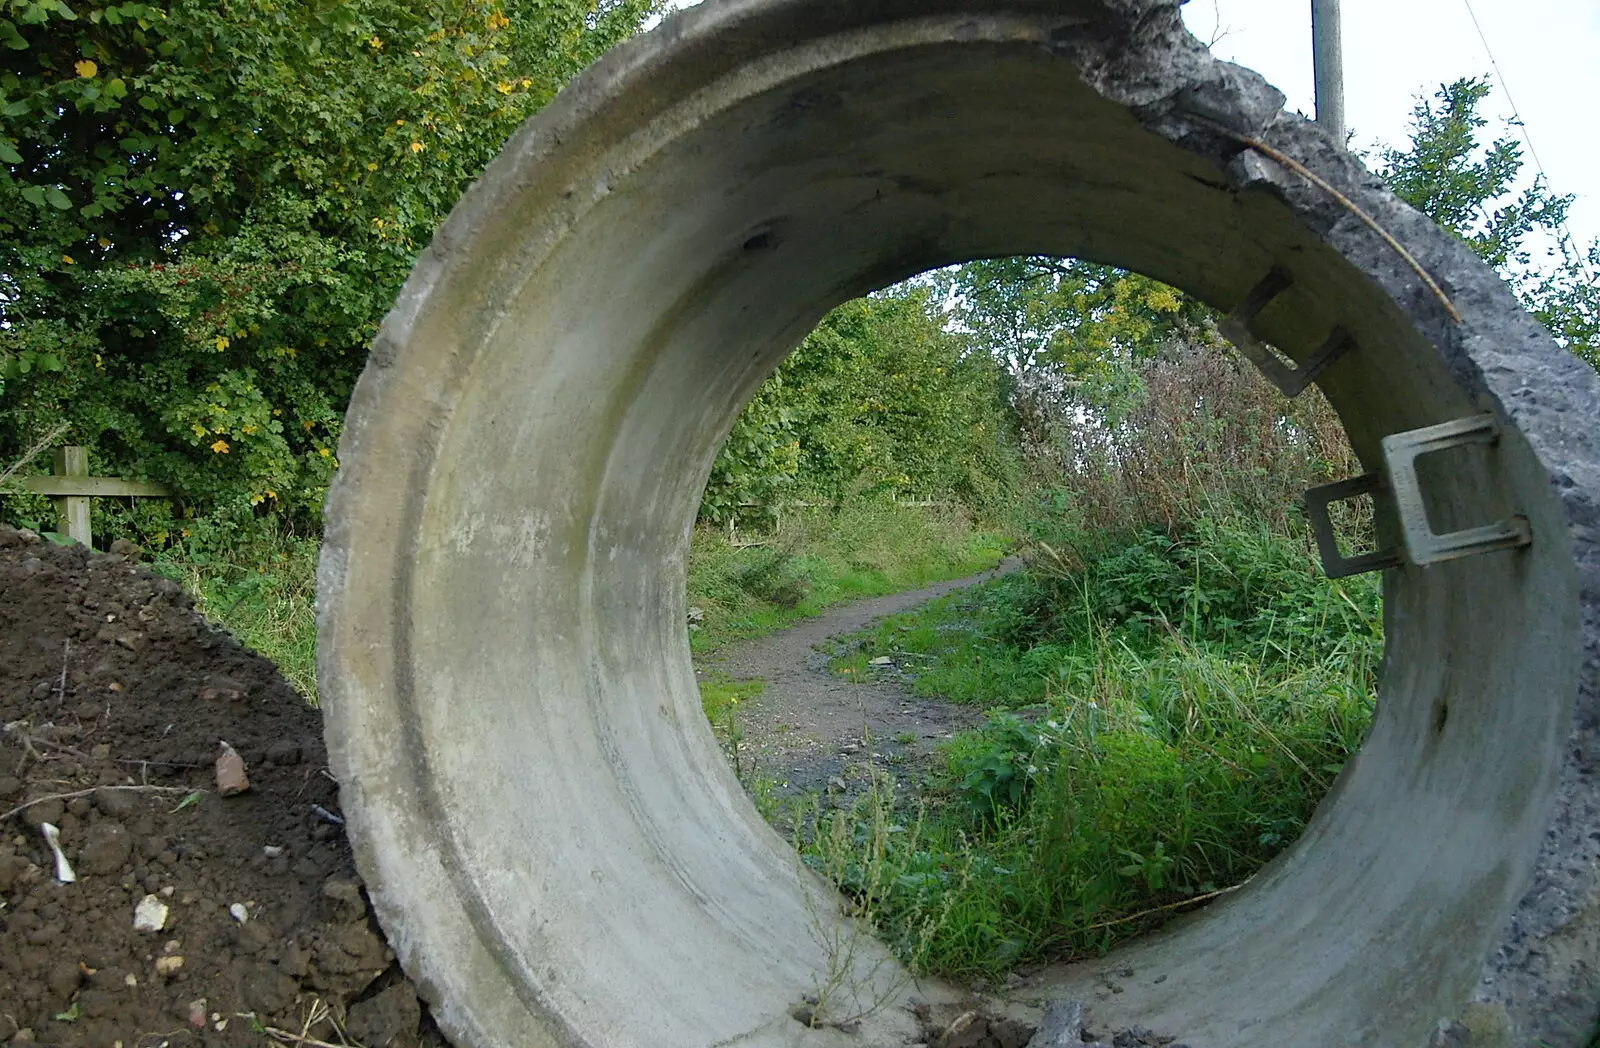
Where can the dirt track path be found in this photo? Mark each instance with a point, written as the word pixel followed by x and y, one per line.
pixel 813 731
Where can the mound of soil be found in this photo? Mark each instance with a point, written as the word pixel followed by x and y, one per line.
pixel 115 698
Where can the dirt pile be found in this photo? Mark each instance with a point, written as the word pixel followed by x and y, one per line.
pixel 115 699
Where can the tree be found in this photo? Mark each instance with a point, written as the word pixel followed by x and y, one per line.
pixel 1470 189
pixel 1065 330
pixel 1566 299
pixel 879 398
pixel 206 207
pixel 1036 312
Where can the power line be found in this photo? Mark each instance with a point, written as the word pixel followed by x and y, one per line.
pixel 1568 245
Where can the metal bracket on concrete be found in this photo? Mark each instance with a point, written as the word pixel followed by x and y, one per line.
pixel 1335 564
pixel 1291 381
pixel 1423 544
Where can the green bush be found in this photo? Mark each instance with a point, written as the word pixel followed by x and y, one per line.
pixel 206 207
pixel 1225 586
pixel 994 768
pixel 1104 811
pixel 1224 581
pixel 1163 721
pixel 879 399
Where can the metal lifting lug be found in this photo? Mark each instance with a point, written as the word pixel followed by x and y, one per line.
pixel 1291 381
pixel 1335 564
pixel 1423 544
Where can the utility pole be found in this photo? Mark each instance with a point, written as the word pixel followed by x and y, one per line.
pixel 1327 58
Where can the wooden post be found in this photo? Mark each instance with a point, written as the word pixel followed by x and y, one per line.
pixel 72 488
pixel 73 461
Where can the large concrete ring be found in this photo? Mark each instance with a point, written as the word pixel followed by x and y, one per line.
pixel 545 824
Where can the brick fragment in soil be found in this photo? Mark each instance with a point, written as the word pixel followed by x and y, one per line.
pixel 132 730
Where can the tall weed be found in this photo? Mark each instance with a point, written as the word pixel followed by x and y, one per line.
pixel 1165 718
pixel 263 592
pixel 1155 783
pixel 1202 435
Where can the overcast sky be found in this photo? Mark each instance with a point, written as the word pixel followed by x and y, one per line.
pixel 1548 50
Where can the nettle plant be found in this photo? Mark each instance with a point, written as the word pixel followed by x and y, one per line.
pixel 997 767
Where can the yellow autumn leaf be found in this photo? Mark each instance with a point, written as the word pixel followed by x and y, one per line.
pixel 222 343
pixel 85 68
pixel 220 447
pixel 416 147
pixel 496 20
pixel 372 167
pixel 324 452
pixel 505 87
pixel 1163 298
pixel 68 260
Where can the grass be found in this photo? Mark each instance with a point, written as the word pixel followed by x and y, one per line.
pixel 822 558
pixel 721 695
pixel 264 594
pixel 1162 723
pixel 944 647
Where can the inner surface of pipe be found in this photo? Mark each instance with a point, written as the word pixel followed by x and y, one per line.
pixel 546 825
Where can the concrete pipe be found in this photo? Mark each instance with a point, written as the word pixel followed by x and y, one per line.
pixel 545 823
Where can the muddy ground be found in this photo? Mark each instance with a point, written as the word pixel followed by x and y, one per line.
pixel 115 701
pixel 191 918
pixel 814 731
pixel 115 698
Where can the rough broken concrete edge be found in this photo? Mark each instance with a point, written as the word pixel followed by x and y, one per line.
pixel 1498 351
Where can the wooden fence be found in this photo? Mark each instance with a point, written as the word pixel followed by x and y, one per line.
pixel 73 488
